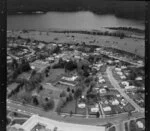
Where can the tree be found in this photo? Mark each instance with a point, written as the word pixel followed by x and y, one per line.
pixel 26 97
pixel 14 64
pixel 35 101
pixel 70 66
pixel 39 88
pixel 55 129
pixel 72 91
pixel 49 105
pixel 63 94
pixel 71 113
pixel 129 114
pixel 33 73
pixel 68 89
pixel 77 94
pixel 97 114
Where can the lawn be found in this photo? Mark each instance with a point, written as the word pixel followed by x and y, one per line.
pixel 18 121
pixel 54 75
pixel 63 87
pixel 112 129
pixel 70 106
pixel 8 121
pixel 126 126
pixel 128 108
pixel 16 114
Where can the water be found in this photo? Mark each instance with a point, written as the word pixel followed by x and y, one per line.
pixel 69 20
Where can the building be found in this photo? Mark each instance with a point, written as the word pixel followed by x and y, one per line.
pixel 34 122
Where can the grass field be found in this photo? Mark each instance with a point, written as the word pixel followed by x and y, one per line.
pixel 18 121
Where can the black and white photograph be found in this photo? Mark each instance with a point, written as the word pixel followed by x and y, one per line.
pixel 75 65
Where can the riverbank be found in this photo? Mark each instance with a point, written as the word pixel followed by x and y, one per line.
pixel 132 45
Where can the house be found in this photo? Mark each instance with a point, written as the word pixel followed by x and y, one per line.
pixel 50 124
pixel 117 69
pixel 129 87
pixel 139 78
pixel 120 73
pixel 81 105
pixel 95 108
pixel 125 83
pixel 123 67
pixel 102 90
pixel 107 108
pixel 9 60
pixel 101 80
pixel 115 102
pixel 123 77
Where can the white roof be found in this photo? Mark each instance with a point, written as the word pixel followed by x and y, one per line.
pixel 118 69
pixel 140 124
pixel 129 87
pixel 108 108
pixel 122 77
pixel 126 83
pixel 70 78
pixel 123 67
pixel 94 109
pixel 139 78
pixel 81 105
pixel 119 73
pixel 101 80
pixel 102 90
pixel 115 102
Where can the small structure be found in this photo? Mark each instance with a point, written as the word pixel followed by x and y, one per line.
pixel 115 102
pixel 107 108
pixel 102 91
pixel 123 77
pixel 101 80
pixel 81 105
pixel 139 78
pixel 125 83
pixel 117 69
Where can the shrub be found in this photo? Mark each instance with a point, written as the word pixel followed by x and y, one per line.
pixel 63 94
pixel 72 90
pixel 35 101
pixel 61 104
pixel 68 89
pixel 49 105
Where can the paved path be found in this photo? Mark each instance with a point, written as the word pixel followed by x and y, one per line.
pixel 117 86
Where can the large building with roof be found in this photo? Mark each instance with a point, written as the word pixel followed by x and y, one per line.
pixel 37 123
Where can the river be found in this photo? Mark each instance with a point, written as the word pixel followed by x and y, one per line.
pixel 83 20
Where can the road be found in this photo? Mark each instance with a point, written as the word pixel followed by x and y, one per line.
pixel 116 85
pixel 78 120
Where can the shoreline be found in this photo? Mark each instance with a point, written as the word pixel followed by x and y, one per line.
pixel 125 44
pixel 106 31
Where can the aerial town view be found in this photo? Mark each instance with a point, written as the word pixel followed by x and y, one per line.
pixel 66 74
